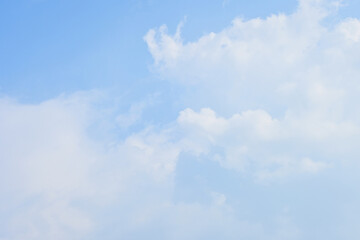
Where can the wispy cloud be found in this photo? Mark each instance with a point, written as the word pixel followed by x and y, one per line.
pixel 271 102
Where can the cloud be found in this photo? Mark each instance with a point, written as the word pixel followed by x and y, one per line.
pixel 350 30
pixel 253 142
pixel 53 168
pixel 45 163
pixel 265 100
pixel 271 64
pixel 60 181
pixel 288 84
pixel 134 115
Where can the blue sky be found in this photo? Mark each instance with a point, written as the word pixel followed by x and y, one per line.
pixel 51 47
pixel 179 119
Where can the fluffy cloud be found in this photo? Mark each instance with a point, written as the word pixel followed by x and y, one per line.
pixel 60 181
pixel 280 63
pixel 253 142
pixel 265 99
pixel 53 168
pixel 45 164
pixel 286 80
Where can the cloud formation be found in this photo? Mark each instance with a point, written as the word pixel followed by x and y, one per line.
pixel 286 80
pixel 60 182
pixel 271 102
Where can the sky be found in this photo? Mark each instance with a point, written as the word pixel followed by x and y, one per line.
pixel 154 119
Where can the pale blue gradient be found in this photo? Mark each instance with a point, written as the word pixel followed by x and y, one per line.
pixel 93 146
pixel 50 47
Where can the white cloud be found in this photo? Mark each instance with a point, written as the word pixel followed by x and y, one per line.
pixel 46 162
pixel 277 99
pixel 62 183
pixel 350 29
pixel 272 64
pixel 53 169
pixel 288 82
pixel 253 141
